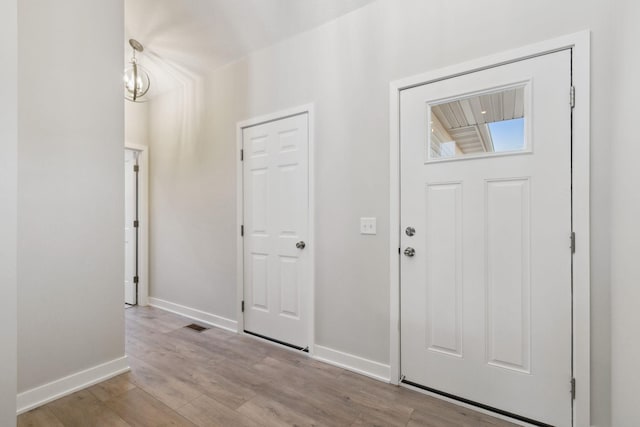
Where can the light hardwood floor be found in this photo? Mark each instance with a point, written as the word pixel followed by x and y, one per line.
pixel 180 377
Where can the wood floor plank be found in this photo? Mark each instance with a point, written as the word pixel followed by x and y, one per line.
pixel 223 389
pixel 439 416
pixel 112 388
pixel 368 420
pixel 39 417
pixel 206 412
pixel 445 412
pixel 171 390
pixel 156 320
pixel 393 414
pixel 83 409
pixel 140 341
pixel 174 358
pixel 295 374
pixel 322 406
pixel 240 374
pixel 140 409
pixel 268 412
pixel 229 350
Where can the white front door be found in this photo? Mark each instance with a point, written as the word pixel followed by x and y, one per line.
pixel 130 234
pixel 276 212
pixel 485 232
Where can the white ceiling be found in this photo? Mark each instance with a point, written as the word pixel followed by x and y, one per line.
pixel 186 37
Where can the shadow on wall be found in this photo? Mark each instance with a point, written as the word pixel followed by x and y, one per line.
pixel 188 87
pixel 192 261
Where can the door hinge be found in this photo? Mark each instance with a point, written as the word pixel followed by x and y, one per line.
pixel 242 306
pixel 136 279
pixel 136 223
pixel 573 242
pixel 242 230
pixel 136 168
pixel 573 388
pixel 241 155
pixel 572 96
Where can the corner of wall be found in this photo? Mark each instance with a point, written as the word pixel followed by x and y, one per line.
pixel 195 314
pixel 8 210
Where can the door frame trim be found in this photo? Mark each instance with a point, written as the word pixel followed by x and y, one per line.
pixel 308 109
pixel 580 45
pixel 143 217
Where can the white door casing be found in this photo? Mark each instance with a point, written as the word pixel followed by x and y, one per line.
pixel 276 220
pixel 130 234
pixel 486 300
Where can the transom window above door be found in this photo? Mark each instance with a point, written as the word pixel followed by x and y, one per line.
pixel 480 125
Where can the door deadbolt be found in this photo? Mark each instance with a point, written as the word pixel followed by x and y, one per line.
pixel 410 231
pixel 409 252
pixel 301 245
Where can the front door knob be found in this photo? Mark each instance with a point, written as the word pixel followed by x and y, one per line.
pixel 409 252
pixel 301 245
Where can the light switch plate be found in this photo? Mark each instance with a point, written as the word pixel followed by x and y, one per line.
pixel 367 226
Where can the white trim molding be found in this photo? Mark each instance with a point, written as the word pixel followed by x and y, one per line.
pixel 143 217
pixel 579 43
pixel 308 109
pixel 350 362
pixel 49 392
pixel 195 314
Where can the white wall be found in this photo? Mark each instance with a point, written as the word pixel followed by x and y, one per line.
pixel 8 210
pixel 70 188
pixel 345 67
pixel 192 214
pixel 136 123
pixel 625 247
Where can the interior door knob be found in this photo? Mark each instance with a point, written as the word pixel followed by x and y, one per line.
pixel 409 252
pixel 301 245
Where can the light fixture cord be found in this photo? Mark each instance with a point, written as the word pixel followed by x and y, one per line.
pixel 135 76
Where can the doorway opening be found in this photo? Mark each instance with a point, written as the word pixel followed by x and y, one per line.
pixel 486 272
pixel 131 224
pixel 136 281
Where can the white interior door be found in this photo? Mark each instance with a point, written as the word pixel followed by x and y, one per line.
pixel 276 222
pixel 130 234
pixel 486 187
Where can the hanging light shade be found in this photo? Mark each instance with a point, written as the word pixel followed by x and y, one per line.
pixel 136 79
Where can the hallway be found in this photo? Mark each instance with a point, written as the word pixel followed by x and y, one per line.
pixel 180 377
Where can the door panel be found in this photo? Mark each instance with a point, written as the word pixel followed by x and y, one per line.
pixel 276 205
pixel 130 236
pixel 444 267
pixel 508 243
pixel 486 183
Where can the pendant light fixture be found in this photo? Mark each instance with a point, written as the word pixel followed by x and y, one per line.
pixel 136 79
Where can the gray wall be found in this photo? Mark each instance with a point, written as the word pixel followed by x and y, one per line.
pixel 345 67
pixel 8 187
pixel 625 269
pixel 70 187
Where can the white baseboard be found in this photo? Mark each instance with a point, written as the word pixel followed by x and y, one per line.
pixel 357 364
pixel 46 393
pixel 192 313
